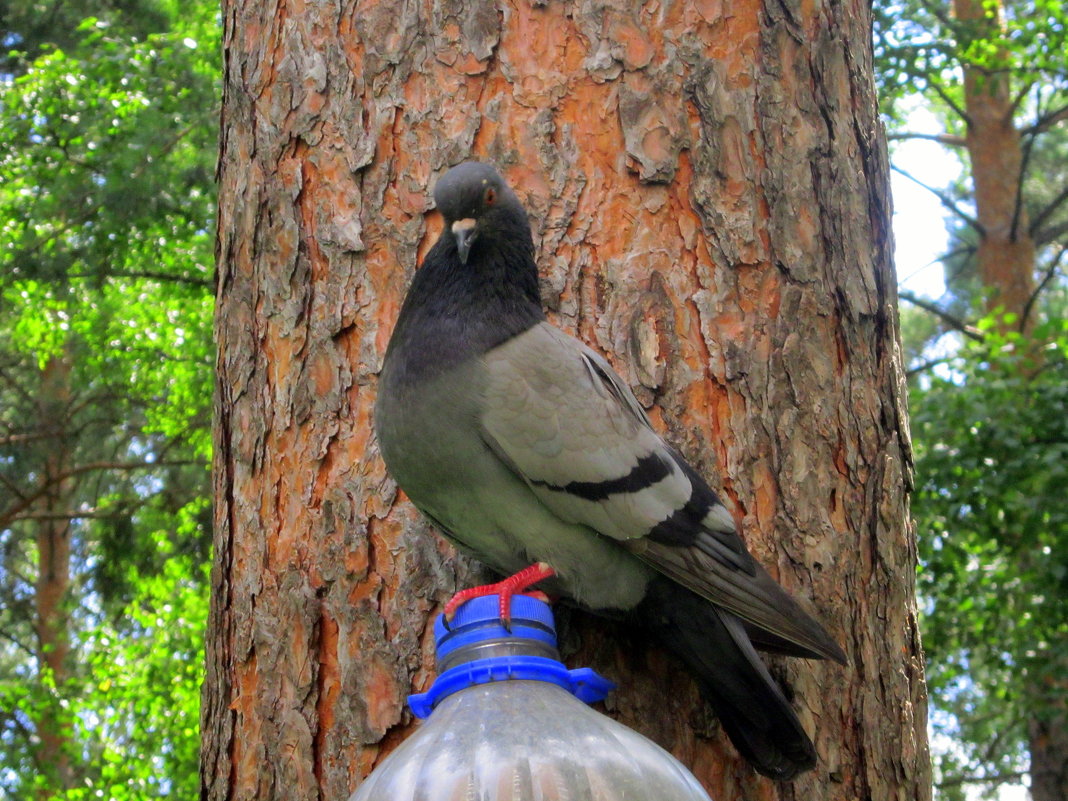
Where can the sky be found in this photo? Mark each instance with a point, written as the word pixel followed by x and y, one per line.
pixel 919 217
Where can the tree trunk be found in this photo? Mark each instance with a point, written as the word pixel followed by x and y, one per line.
pixel 708 190
pixel 1048 746
pixel 53 576
pixel 1006 253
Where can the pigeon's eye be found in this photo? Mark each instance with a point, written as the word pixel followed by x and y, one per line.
pixel 490 197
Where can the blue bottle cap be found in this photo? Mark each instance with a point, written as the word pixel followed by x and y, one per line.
pixel 479 620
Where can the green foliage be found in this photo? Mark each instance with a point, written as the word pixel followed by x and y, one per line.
pixel 991 440
pixel 132 712
pixel 921 47
pixel 137 709
pixel 104 160
pixel 106 229
pixel 28 26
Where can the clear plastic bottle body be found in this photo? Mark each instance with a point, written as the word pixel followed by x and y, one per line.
pixel 526 741
pixel 505 725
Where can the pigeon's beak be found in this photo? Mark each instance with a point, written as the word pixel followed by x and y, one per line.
pixel 464 232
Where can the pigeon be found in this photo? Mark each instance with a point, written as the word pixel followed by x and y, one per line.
pixel 526 449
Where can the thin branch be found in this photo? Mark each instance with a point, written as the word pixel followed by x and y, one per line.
pixel 1049 211
pixel 66 225
pixel 946 200
pixel 956 324
pixel 939 260
pixel 75 514
pixel 22 438
pixel 14 511
pixel 998 778
pixel 940 14
pixel 18 643
pixel 26 733
pixel 1021 95
pixel 922 368
pixel 15 385
pixel 29 736
pixel 89 400
pixel 1046 278
pixel 208 283
pixel 1051 234
pixel 961 251
pixel 91 467
pixel 1001 732
pixel 1046 121
pixel 11 485
pixel 1017 207
pixel 950 140
pixel 949 101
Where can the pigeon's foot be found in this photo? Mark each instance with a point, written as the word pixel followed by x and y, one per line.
pixel 513 585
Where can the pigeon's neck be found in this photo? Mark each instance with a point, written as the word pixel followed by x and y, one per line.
pixel 455 312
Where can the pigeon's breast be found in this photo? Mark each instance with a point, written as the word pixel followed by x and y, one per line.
pixel 430 437
pixel 428 429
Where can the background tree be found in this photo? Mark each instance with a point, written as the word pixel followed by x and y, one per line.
pixel 709 200
pixel 989 448
pixel 996 72
pixel 105 217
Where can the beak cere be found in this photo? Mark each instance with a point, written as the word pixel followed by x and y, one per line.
pixel 464 232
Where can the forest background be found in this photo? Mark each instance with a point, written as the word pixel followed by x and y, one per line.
pixel 107 155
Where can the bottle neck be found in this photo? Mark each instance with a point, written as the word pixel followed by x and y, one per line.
pixel 497 647
pixel 477 647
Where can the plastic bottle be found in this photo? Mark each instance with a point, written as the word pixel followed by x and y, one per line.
pixel 508 722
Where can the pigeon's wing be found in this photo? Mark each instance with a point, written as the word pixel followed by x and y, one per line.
pixel 557 414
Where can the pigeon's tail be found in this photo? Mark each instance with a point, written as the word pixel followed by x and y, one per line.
pixel 750 706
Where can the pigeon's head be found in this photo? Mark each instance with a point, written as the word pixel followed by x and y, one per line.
pixel 477 204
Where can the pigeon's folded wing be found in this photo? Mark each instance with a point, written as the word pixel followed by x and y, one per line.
pixel 557 414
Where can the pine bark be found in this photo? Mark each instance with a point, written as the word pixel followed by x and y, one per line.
pixel 708 189
pixel 1006 252
pixel 51 614
pixel 1048 746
